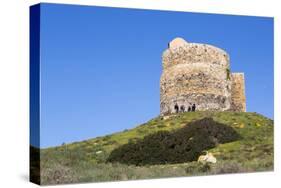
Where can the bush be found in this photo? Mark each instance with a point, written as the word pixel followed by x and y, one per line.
pixel 106 138
pixel 161 126
pixel 182 145
pixel 110 142
pixel 58 174
pixel 197 168
pixel 228 167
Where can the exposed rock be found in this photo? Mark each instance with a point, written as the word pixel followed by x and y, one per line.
pixel 98 152
pixel 208 158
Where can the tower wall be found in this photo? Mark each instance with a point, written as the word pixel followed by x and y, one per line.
pixel 194 74
pixel 238 99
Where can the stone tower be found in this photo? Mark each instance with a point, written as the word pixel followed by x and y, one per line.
pixel 197 77
pixel 238 99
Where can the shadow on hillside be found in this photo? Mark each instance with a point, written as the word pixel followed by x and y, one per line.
pixel 182 145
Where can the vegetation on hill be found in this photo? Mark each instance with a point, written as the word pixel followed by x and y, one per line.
pixel 179 146
pixel 248 148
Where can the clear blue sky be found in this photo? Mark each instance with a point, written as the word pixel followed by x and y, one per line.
pixel 100 67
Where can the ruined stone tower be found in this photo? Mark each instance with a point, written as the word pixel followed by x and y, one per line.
pixel 197 77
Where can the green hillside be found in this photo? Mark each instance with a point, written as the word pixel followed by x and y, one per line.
pixel 245 145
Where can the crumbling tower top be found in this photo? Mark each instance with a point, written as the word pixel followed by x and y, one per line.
pixel 177 42
pixel 181 52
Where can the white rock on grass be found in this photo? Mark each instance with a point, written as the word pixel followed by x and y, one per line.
pixel 98 152
pixel 208 158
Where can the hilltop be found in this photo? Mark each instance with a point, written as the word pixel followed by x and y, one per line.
pixel 241 142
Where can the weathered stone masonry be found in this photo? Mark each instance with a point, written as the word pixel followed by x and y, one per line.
pixel 199 74
pixel 238 99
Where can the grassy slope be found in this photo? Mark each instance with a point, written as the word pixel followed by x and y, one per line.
pixel 84 161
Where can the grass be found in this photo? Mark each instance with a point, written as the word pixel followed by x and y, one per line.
pixel 86 161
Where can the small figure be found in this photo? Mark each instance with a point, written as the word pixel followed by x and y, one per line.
pixel 182 108
pixel 177 108
pixel 193 108
pixel 189 109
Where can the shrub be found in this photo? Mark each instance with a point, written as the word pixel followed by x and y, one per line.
pixel 197 168
pixel 228 74
pixel 161 126
pixel 110 142
pixel 228 167
pixel 182 145
pixel 106 138
pixel 142 131
pixel 58 174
